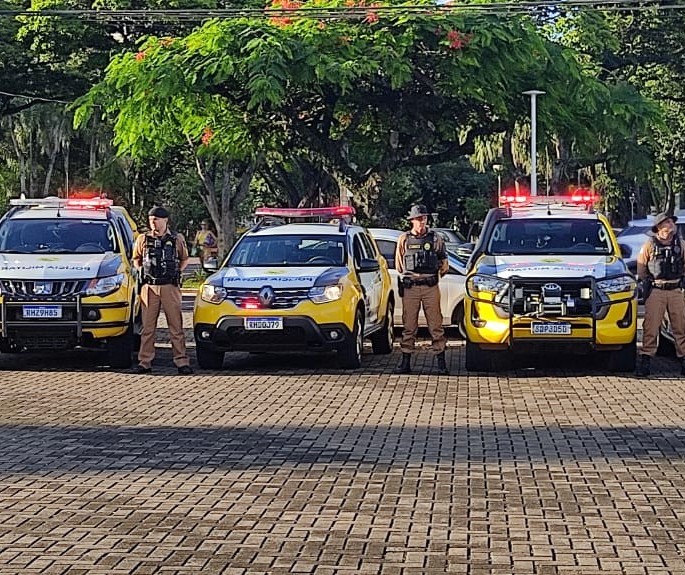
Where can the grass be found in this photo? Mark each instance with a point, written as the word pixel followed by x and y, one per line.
pixel 195 280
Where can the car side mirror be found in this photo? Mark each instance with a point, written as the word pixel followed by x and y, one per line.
pixel 626 251
pixel 464 251
pixel 368 265
pixel 210 265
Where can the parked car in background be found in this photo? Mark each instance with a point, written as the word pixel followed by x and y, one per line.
pixel 452 238
pixel 451 285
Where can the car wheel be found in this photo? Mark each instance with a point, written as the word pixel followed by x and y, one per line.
pixel 623 360
pixel 458 320
pixel 350 355
pixel 478 359
pixel 381 341
pixel 209 358
pixel 120 350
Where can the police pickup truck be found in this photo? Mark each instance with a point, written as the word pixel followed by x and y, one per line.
pixel 66 278
pixel 547 277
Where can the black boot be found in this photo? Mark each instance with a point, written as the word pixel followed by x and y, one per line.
pixel 643 369
pixel 405 365
pixel 442 364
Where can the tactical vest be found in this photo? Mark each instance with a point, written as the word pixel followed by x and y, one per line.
pixel 667 262
pixel 420 256
pixel 160 262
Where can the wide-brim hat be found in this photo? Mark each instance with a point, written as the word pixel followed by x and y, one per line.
pixel 660 219
pixel 417 211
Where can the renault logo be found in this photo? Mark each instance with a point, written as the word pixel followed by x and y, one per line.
pixel 266 296
pixel 42 288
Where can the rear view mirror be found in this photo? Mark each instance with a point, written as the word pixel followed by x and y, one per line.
pixel 210 264
pixel 463 252
pixel 368 265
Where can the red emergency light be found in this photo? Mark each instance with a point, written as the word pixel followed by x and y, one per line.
pixel 332 212
pixel 583 196
pixel 89 203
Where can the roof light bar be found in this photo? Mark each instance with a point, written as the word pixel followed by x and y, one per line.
pixel 335 211
pixel 72 203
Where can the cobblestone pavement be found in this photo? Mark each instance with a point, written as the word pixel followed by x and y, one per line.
pixel 286 465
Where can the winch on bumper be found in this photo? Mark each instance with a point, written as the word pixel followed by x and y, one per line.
pixel 534 314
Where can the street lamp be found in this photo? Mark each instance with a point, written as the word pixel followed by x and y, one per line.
pixel 498 171
pixel 533 140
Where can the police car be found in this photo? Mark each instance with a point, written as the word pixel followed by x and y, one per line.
pixel 297 287
pixel 547 277
pixel 66 278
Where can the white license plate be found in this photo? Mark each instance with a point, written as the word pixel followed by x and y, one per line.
pixel 259 323
pixel 42 311
pixel 550 328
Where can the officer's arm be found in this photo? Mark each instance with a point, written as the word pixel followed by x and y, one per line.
pixel 182 250
pixel 642 258
pixel 399 254
pixel 441 250
pixel 137 255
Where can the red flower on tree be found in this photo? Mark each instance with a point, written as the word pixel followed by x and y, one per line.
pixel 207 135
pixel 457 40
pixel 140 56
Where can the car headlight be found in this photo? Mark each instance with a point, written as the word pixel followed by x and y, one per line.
pixel 324 294
pixel 106 285
pixel 212 293
pixel 490 284
pixel 617 285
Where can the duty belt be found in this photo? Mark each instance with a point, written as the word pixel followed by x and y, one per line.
pixel 159 282
pixel 409 282
pixel 666 286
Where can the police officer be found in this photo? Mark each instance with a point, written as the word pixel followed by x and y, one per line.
pixel 160 256
pixel 420 260
pixel 660 267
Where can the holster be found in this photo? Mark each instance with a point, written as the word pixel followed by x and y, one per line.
pixel 400 286
pixel 647 287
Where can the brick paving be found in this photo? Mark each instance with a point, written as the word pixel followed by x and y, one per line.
pixel 282 464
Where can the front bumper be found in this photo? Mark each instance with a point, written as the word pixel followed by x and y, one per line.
pixel 299 333
pixel 83 321
pixel 607 322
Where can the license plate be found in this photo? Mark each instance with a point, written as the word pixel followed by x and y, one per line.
pixel 42 311
pixel 266 323
pixel 550 328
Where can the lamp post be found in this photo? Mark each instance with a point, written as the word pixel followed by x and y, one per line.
pixel 498 171
pixel 533 140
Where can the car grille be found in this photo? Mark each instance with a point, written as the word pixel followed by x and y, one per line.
pixel 283 298
pixel 290 336
pixel 37 340
pixel 528 298
pixel 42 290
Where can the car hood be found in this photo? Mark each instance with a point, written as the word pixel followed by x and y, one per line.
pixel 278 277
pixel 568 266
pixel 58 266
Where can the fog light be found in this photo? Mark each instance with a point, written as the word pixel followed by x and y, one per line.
pixel 92 314
pixel 334 334
pixel 205 334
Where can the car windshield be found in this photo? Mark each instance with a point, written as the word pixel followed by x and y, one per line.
pixel 286 251
pixel 451 236
pixel 63 236
pixel 553 237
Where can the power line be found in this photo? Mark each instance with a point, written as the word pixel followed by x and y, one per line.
pixel 31 97
pixel 504 8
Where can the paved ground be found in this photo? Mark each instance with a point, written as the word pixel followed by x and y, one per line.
pixel 288 465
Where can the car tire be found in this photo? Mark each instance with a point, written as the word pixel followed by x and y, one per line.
pixel 382 341
pixel 458 320
pixel 120 350
pixel 478 359
pixel 209 358
pixel 623 360
pixel 350 355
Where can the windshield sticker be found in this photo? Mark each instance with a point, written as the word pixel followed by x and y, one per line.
pixel 6 267
pixel 269 278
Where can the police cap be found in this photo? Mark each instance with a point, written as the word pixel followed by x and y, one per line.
pixel 158 212
pixel 660 219
pixel 417 211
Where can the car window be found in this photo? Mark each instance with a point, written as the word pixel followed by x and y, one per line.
pixel 284 250
pixel 544 236
pixel 634 231
pixel 388 248
pixel 30 236
pixel 369 248
pixel 451 236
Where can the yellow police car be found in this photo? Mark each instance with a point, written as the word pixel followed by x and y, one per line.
pixel 297 287
pixel 66 278
pixel 547 277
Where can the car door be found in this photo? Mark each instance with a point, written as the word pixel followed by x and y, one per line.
pixel 368 281
pixel 377 298
pixel 388 248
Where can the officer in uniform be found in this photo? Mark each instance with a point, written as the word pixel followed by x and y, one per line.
pixel 420 260
pixel 660 267
pixel 160 256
